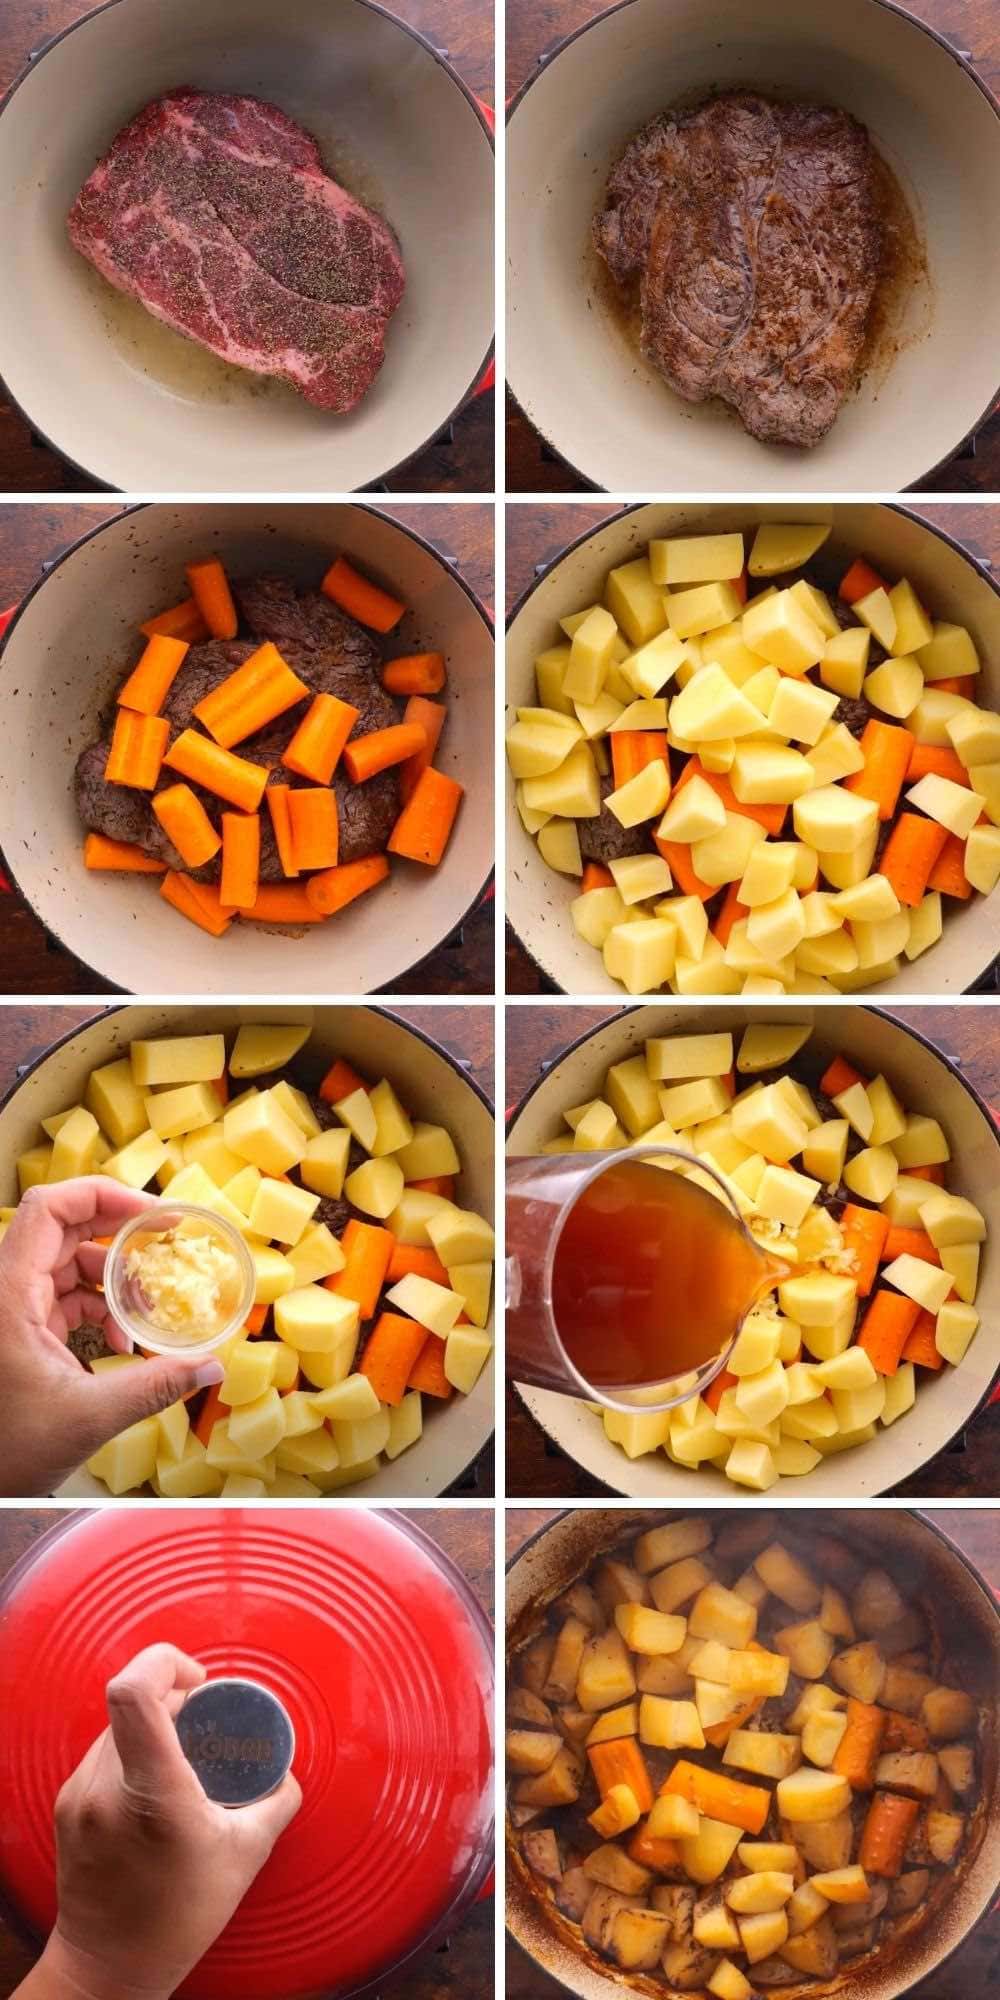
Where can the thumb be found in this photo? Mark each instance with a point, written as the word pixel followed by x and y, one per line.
pixel 266 1821
pixel 119 1397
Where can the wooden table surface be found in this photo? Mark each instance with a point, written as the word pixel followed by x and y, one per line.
pixel 462 462
pixel 467 1032
pixel 534 25
pixel 973 1970
pixel 537 533
pixel 967 1470
pixel 462 1970
pixel 30 961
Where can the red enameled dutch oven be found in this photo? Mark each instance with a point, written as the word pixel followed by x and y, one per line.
pixel 384 1661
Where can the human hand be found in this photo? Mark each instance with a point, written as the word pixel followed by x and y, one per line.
pixel 58 1414
pixel 150 1869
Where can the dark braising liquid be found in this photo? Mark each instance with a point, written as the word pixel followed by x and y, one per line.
pixel 652 1276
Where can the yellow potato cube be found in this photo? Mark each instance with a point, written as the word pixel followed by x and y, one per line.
pixel 900 1393
pixel 116 1102
pixel 362 1439
pixel 673 1818
pixel 189 1477
pixel 821 1737
pixel 300 1412
pixel 206 1147
pixel 174 1428
pixel 356 1112
pixel 711 709
pixel 351 1401
pixel 324 1162
pixel 918 1280
pixel 641 797
pixel 415 1209
pixel 638 877
pixel 693 813
pixel 550 668
pixel 256 1428
pixel 975 735
pixel 807 1422
pixel 770 774
pixel 260 1131
pixel 954 1328
pixel 537 747
pixel 687 559
pixel 837 754
pixel 801 710
pixel 640 953
pixel 432 1305
pixel 590 656
pixel 315 1321
pixel 961 1261
pixel 817 1298
pixel 648 713
pixel 855 1409
pixel 817 606
pixel 809 1796
pixel 646 1631
pixel 261 1046
pixel 634 600
pixel 571 792
pixel 75 1146
pixel 298 1107
pixel 762 1397
pixel 596 914
pixel 765 1120
pixel 949 654
pixel 227 1457
pixel 689 1056
pixel 466 1352
pixel 632 1094
pixel 896 686
pixel 856 1106
pixel 985 779
pixel 137 1163
pixel 756 1346
pixel 834 821
pixel 724 857
pixel 982 859
pixel 316 1255
pixel 842 668
pixel 779 547
pixel 240 1190
pixel 654 664
pixel 376 1187
pixel 776 929
pixel 460 1236
pixel 250 1371
pixel 707 1856
pixel 784 634
pixel 559 846
pixel 769 872
pixel 669 1725
pixel 595 1127
pixel 129 1460
pixel 690 1103
pixel 877 613
pixel 953 806
pixel 850 1370
pixel 825 1150
pixel 786 1196
pixel 275 1276
pixel 473 1283
pixel 173 1112
pixel 182 1059
pixel 430 1153
pixel 913 627
pixel 314 1456
pixel 702 609
pixel 764 1889
pixel 872 1173
pixel 281 1210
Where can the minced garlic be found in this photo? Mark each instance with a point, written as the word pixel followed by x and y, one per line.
pixel 186 1281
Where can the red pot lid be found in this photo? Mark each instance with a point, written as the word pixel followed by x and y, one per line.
pixel 383 1662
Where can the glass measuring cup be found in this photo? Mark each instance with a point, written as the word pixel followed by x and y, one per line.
pixel 231 1298
pixel 543 1195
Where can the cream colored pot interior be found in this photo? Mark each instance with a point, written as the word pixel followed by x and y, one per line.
pixel 378 1044
pixel 65 658
pixel 119 393
pixel 576 372
pixel 945 1402
pixel 963 1617
pixel 952 586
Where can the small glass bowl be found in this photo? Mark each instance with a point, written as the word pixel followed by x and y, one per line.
pixel 125 1299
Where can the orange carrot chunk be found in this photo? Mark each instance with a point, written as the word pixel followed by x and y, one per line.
pixel 234 779
pixel 427 1373
pixel 731 912
pixel 886 750
pixel 367 1250
pixel 256 1320
pixel 277 797
pixel 911 850
pixel 719 1796
pixel 621 1762
pixel 119 857
pixel 137 750
pixel 282 903
pixel 935 1174
pixel 885 1833
pixel 315 749
pixel 391 1350
pixel 948 874
pixel 411 1257
pixel 428 716
pixel 442 1184
pixel 903 1732
pixel 211 593
pixel 885 1330
pixel 908 1243
pixel 633 749
pixel 717 1388
pixel 838 1076
pixel 857 1753
pixel 424 826
pixel 186 823
pixel 927 760
pixel 340 1081
pixel 240 859
pixel 360 598
pixel 150 681
pixel 654 1850
pixel 212 1411
pixel 963 684
pixel 596 876
pixel 206 912
pixel 414 673
pixel 859 581
pixel 864 1231
pixel 677 856
pixel 182 621
pixel 365 756
pixel 313 819
pixel 251 697
pixel 334 888
pixel 921 1346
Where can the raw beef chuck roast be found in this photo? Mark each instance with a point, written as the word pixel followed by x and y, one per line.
pixel 216 213
pixel 754 231
pixel 114 810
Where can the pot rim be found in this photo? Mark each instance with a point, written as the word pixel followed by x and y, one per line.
pixel 933 1527
pixel 894 1021
pixel 145 506
pixel 621 512
pixel 440 56
pixel 387 1013
pixel 544 62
